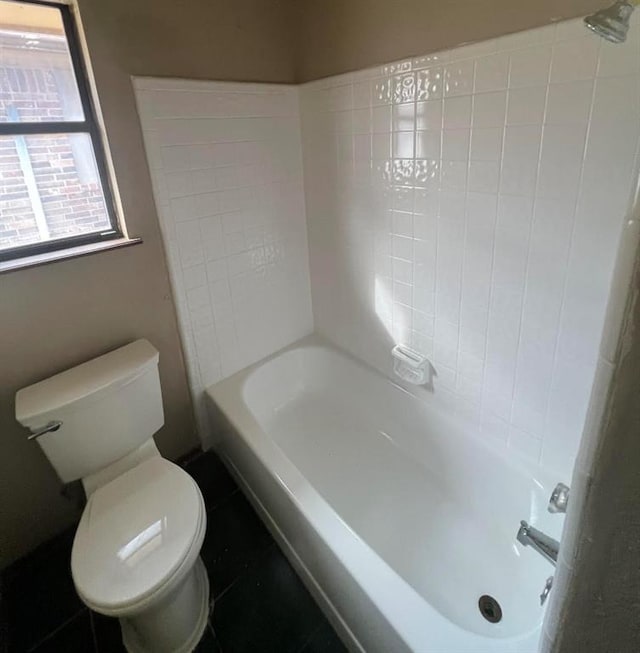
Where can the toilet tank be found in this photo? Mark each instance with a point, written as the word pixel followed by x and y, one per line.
pixel 108 407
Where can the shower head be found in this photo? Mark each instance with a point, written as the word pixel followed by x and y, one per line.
pixel 612 23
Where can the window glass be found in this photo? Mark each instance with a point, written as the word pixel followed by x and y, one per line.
pixel 49 189
pixel 54 190
pixel 37 81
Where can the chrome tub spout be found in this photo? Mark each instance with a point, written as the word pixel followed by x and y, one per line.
pixel 546 546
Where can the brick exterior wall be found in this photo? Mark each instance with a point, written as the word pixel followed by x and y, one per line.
pixel 61 164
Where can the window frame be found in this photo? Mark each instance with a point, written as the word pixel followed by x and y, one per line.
pixel 89 126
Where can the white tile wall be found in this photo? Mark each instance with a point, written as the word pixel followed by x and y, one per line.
pixel 470 203
pixel 226 168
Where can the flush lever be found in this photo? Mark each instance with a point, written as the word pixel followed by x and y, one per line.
pixel 51 426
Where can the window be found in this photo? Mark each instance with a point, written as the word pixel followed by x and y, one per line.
pixel 54 190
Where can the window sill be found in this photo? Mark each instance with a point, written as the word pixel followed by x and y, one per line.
pixel 65 254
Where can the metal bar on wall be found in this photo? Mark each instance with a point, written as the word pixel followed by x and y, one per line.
pixel 29 178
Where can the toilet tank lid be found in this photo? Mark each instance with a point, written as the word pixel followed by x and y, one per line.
pixel 89 379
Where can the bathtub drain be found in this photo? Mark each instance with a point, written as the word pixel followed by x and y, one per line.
pixel 490 609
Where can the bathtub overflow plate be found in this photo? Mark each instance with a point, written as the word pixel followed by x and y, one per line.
pixel 490 609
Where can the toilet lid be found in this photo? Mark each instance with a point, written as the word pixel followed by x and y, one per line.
pixel 134 533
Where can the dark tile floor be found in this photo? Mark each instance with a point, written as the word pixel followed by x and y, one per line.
pixel 261 606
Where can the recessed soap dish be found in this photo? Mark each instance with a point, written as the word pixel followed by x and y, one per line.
pixel 410 365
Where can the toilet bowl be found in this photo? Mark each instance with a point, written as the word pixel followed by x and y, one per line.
pixel 135 556
pixel 136 551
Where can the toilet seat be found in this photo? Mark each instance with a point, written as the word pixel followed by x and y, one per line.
pixel 138 536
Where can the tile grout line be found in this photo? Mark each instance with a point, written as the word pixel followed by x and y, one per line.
pixel 93 632
pixel 251 567
pixel 57 629
pixel 311 635
pixel 490 293
pixel 570 249
pixel 532 225
pixel 212 508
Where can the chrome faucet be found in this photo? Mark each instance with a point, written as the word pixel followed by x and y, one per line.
pixel 546 546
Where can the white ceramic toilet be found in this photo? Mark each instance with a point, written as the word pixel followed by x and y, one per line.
pixel 136 551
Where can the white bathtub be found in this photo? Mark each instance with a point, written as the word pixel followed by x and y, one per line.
pixel 396 519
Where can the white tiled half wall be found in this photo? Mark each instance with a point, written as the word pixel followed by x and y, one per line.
pixel 226 168
pixel 469 204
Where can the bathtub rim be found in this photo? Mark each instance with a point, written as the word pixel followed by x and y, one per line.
pixel 228 394
pixel 538 474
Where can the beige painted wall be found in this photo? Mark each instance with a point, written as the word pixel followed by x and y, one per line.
pixel 336 36
pixel 58 315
